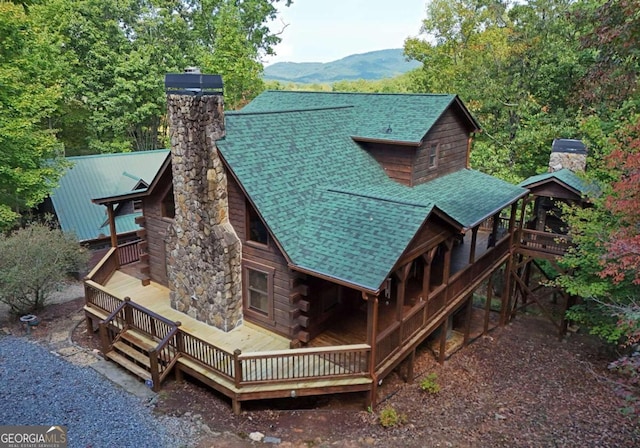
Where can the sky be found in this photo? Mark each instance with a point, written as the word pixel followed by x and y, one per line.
pixel 327 30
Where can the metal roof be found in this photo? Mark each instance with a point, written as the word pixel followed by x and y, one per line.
pixel 98 176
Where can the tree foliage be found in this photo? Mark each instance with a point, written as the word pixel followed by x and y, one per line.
pixel 29 89
pixel 35 261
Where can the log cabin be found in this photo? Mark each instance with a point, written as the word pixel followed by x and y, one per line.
pixel 305 245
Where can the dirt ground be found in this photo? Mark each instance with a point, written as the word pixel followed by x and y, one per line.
pixel 517 387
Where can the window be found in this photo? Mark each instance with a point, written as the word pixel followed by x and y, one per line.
pixel 258 290
pixel 137 205
pixel 256 230
pixel 169 205
pixel 433 155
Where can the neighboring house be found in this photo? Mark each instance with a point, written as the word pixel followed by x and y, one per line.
pixel 99 175
pixel 348 226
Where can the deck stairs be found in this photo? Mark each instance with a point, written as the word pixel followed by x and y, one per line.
pixel 131 350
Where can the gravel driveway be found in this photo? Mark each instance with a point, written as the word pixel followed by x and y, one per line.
pixel 39 388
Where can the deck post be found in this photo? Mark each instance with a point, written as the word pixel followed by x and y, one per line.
pixel 236 406
pixel 372 330
pixel 128 312
pixel 467 319
pixel 443 340
pixel 112 231
pixel 409 375
pixel 237 367
pixel 506 292
pixel 89 321
pixel 474 242
pixel 104 338
pixel 487 305
pixel 153 367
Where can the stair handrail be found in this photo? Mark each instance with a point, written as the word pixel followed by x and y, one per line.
pixel 104 337
pixel 159 371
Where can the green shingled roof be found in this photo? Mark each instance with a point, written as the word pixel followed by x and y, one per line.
pixel 329 203
pixel 99 176
pixel 380 116
pixel 565 176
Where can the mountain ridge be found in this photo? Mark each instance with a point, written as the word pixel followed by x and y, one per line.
pixel 372 65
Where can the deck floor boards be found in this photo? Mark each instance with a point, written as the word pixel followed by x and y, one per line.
pixel 246 337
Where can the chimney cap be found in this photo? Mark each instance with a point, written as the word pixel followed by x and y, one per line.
pixel 193 84
pixel 568 145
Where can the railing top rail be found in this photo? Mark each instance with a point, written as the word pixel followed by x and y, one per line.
pixel 305 351
pixel 152 314
pixel 114 313
pixel 101 288
pixel 546 234
pixel 101 263
pixel 387 331
pixel 166 339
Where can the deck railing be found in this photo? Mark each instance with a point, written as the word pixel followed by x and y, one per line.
pixel 212 357
pixel 550 243
pixel 393 339
pixel 105 267
pixel 306 364
pixel 347 361
pixel 128 252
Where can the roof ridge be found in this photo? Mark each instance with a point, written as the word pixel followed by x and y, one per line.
pixel 379 198
pixel 311 109
pixel 113 154
pixel 361 93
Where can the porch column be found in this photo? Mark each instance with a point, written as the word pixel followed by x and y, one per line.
pixel 512 220
pixel 474 240
pixel 494 230
pixel 447 262
pixel 402 275
pixel 372 330
pixel 112 225
pixel 426 277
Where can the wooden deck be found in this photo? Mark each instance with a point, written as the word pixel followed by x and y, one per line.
pixel 246 363
pixel 246 337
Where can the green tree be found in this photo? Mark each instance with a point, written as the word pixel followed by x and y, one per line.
pixel 116 53
pixel 29 90
pixel 604 264
pixel 35 261
pixel 234 57
pixel 514 64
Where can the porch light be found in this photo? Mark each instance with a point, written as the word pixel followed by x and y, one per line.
pixel 192 82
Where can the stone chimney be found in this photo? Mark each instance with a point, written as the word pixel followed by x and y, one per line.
pixel 204 253
pixel 567 153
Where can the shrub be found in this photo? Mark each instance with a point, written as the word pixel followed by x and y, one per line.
pixel 430 384
pixel 35 261
pixel 389 417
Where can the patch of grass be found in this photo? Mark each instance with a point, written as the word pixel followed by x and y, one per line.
pixel 430 384
pixel 389 417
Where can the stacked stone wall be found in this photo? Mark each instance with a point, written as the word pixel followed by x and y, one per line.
pixel 204 254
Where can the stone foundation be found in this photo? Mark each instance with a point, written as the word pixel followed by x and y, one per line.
pixel 204 254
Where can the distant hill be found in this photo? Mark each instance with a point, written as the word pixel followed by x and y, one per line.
pixel 373 65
